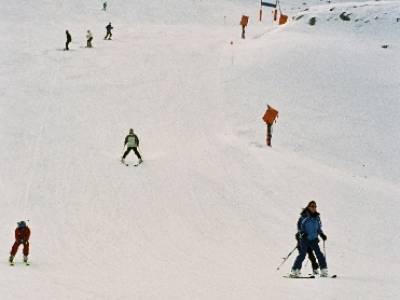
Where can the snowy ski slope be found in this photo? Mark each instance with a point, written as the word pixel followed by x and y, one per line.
pixel 212 210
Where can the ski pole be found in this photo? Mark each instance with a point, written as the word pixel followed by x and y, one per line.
pixel 323 245
pixel 286 258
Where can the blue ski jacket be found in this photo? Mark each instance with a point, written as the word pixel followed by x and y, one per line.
pixel 310 224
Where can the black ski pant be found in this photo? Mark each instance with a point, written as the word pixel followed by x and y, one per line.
pixel 313 259
pixel 66 45
pixel 304 245
pixel 108 35
pixel 89 43
pixel 134 150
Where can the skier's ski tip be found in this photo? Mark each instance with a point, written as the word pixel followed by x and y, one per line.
pixel 299 277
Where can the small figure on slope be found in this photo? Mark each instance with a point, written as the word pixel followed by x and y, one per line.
pixel 22 234
pixel 105 5
pixel 309 227
pixel 89 39
pixel 69 40
pixel 131 143
pixel 109 34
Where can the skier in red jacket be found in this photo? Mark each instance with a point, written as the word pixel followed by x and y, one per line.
pixel 22 234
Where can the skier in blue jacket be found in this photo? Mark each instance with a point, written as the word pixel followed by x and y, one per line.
pixel 309 228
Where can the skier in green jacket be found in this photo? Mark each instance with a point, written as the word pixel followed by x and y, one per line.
pixel 131 143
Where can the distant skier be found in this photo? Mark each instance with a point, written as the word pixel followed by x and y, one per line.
pixel 69 40
pixel 105 5
pixel 309 227
pixel 131 143
pixel 109 34
pixel 89 39
pixel 22 234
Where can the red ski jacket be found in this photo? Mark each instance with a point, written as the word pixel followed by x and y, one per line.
pixel 22 234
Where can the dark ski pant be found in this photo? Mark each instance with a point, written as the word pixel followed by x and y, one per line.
pixel 66 45
pixel 134 150
pixel 14 248
pixel 312 259
pixel 304 246
pixel 89 43
pixel 108 35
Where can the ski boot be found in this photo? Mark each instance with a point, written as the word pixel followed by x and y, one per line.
pixel 315 272
pixel 295 273
pixel 324 272
pixel 11 260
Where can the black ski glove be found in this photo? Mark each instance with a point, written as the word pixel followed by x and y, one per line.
pixel 323 236
pixel 301 236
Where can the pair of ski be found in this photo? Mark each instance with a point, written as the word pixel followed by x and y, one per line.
pixel 310 276
pixel 27 263
pixel 130 164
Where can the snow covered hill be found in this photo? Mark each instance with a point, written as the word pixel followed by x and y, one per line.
pixel 212 210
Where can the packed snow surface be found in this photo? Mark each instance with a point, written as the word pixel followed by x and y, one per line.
pixel 212 210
